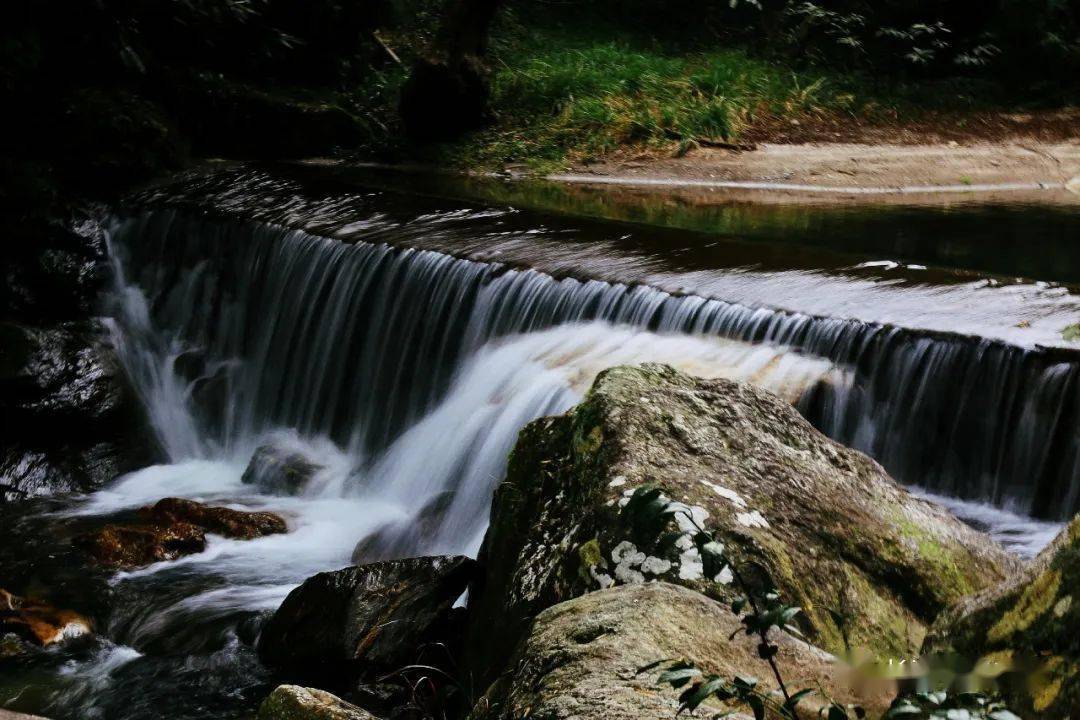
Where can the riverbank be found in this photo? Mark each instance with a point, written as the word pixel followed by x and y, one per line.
pixel 1018 169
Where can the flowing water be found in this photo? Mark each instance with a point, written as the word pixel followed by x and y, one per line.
pixel 399 344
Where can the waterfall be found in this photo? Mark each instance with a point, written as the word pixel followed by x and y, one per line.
pixel 403 375
pixel 400 372
pixel 259 327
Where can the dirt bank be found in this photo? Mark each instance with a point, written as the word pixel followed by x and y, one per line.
pixel 1018 169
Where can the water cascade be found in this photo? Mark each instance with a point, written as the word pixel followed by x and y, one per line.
pixel 402 372
pixel 355 342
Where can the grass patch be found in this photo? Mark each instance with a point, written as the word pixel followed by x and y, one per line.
pixel 562 95
pixel 565 103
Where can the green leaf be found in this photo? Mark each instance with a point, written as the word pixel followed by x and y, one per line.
pixel 788 614
pixel 702 693
pixel 1002 714
pixel 678 678
pixel 837 712
pixel 737 605
pixel 757 705
pixel 797 697
pixel 712 558
pixel 746 681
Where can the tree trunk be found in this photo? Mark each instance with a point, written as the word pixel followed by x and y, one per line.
pixel 447 92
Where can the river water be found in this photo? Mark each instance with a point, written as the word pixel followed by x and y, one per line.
pixel 399 342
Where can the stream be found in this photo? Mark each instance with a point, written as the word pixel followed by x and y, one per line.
pixel 398 341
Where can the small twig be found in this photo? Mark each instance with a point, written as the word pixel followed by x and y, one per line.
pixel 389 51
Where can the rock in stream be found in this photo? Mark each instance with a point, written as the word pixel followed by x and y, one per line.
pixel 1028 628
pixel 822 524
pixel 172 528
pixel 359 619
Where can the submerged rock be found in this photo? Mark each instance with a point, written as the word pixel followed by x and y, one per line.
pixel 1028 628
pixel 394 539
pixel 372 617
pixel 822 524
pixel 279 471
pixel 292 702
pixel 582 658
pixel 172 528
pixel 38 623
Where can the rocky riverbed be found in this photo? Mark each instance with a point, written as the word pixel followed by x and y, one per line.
pixel 567 610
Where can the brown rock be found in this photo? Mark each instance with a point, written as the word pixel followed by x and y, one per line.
pixel 135 545
pixel 172 528
pixel 1027 629
pixel 37 622
pixel 238 524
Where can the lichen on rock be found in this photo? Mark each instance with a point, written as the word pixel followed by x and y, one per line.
pixel 293 702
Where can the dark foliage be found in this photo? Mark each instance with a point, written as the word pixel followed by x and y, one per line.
pixel 104 93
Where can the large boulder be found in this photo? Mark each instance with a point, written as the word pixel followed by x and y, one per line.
pixel 870 564
pixel 292 702
pixel 582 659
pixel 171 528
pixel 375 617
pixel 1030 626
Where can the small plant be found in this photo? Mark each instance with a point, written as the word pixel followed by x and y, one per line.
pixel 647 514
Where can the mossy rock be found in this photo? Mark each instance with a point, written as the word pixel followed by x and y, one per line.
pixel 821 523
pixel 1030 623
pixel 293 702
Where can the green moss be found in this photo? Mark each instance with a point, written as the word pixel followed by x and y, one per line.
pixel 1038 598
pixel 589 556
pixel 949 575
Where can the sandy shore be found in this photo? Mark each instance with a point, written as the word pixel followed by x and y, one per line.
pixel 1013 170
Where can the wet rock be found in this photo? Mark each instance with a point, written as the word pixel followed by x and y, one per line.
pixel 1029 625
pixel 54 270
pixel 292 702
pixel 821 523
pixel 61 370
pixel 172 528
pixel 395 539
pixel 239 524
pixel 134 545
pixel 581 659
pixel 279 471
pixel 360 619
pixel 71 420
pixel 37 623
